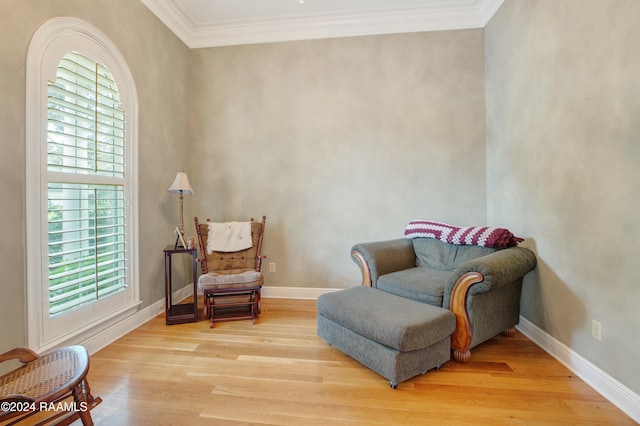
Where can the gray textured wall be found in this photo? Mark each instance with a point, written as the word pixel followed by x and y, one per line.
pixel 563 166
pixel 159 62
pixel 339 141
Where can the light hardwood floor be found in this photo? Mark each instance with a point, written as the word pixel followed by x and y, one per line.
pixel 279 372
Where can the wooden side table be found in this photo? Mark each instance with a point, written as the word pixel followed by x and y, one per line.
pixel 182 312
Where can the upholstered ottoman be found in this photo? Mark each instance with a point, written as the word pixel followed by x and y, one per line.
pixel 396 337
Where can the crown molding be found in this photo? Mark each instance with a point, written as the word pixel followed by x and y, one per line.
pixel 173 17
pixel 487 9
pixel 463 15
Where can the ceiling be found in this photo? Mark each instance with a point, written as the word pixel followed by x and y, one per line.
pixel 207 23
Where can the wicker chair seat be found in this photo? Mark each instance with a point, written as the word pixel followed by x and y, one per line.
pixel 232 279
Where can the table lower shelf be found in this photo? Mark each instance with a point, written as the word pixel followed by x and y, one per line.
pixel 181 313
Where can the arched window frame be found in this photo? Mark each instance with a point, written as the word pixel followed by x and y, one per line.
pixel 51 41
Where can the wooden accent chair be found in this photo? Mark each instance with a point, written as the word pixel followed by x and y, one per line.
pixel 47 383
pixel 231 280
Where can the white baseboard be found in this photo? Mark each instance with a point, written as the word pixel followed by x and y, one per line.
pixel 306 293
pixel 617 393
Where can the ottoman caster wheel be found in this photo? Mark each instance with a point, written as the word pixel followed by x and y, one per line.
pixel 393 385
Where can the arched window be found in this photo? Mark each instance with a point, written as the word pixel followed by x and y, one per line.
pixel 82 219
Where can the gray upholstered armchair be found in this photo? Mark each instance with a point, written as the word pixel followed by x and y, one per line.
pixel 480 285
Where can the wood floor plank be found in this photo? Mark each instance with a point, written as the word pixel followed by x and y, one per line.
pixel 279 372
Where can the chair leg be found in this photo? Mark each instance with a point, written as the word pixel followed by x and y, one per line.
pixel 212 310
pixel 258 302
pixel 509 332
pixel 462 357
pixel 254 301
pixel 84 400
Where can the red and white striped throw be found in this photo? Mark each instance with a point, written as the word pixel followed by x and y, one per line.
pixel 462 235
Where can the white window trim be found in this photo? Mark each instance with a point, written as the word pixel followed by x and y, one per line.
pixel 50 42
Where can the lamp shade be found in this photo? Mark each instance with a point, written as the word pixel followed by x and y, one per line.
pixel 181 185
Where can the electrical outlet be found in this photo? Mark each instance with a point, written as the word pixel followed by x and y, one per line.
pixel 596 330
pixel 272 266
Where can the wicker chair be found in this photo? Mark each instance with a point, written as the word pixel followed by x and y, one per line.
pixel 231 280
pixel 54 383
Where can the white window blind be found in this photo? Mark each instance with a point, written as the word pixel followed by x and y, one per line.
pixel 86 196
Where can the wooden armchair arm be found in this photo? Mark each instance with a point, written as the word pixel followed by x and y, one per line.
pixel 364 267
pixel 461 337
pixel 25 355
